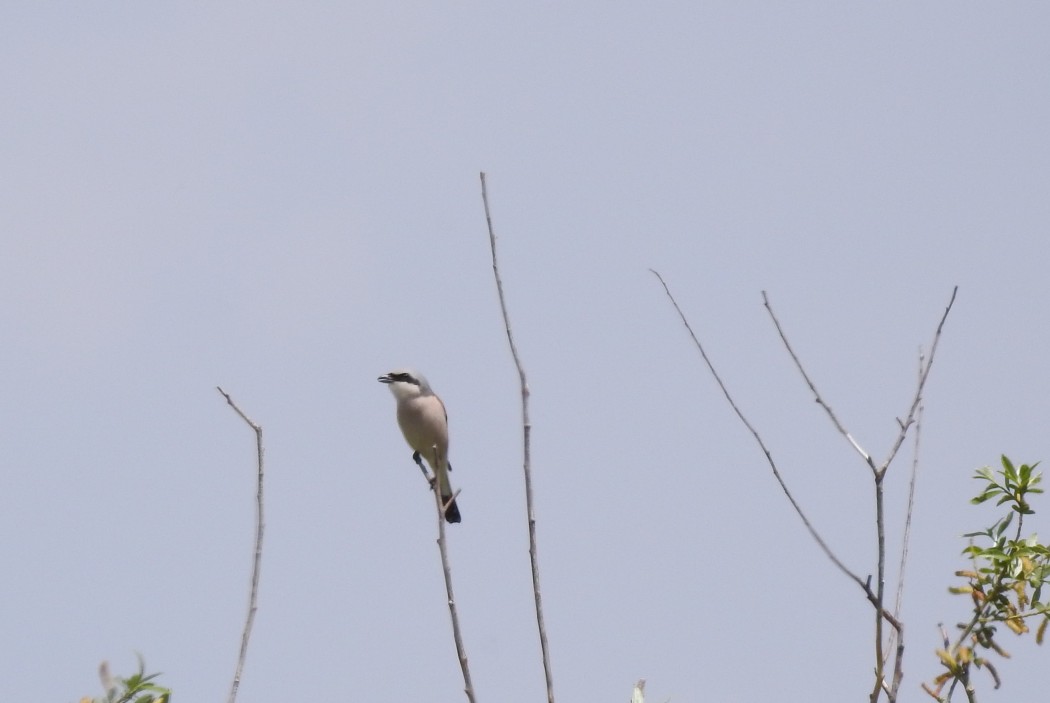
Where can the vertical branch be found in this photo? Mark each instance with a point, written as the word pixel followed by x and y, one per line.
pixel 461 652
pixel 259 526
pixel 527 463
pixel 880 589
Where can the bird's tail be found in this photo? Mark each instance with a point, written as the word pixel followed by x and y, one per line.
pixel 451 509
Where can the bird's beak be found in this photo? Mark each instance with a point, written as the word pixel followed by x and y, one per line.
pixel 385 379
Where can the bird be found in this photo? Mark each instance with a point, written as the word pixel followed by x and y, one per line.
pixel 424 422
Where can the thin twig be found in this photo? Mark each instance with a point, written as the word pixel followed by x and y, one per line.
pixel 906 540
pixel 754 433
pixel 820 401
pixel 922 385
pixel 527 463
pixel 257 560
pixel 461 652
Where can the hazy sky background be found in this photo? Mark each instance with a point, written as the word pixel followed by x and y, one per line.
pixel 283 199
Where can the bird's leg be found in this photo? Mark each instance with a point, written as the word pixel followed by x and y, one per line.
pixel 418 458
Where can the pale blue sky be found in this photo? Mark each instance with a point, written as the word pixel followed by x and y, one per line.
pixel 283 199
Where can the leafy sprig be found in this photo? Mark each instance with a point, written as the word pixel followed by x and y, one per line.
pixel 1005 583
pixel 137 688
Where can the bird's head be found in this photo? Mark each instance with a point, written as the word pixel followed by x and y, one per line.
pixel 405 383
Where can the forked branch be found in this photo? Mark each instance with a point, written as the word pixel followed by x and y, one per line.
pixel 875 595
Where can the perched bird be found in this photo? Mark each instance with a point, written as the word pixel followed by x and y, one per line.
pixel 424 423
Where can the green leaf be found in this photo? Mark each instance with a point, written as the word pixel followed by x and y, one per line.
pixel 987 495
pixel 1001 526
pixel 1025 474
pixel 1008 468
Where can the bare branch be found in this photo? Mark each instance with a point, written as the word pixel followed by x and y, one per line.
pixel 257 560
pixel 895 641
pixel 762 445
pixel 880 593
pixel 917 400
pixel 898 663
pixel 461 653
pixel 876 595
pixel 914 413
pixel 905 541
pixel 816 394
pixel 971 692
pixel 527 463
